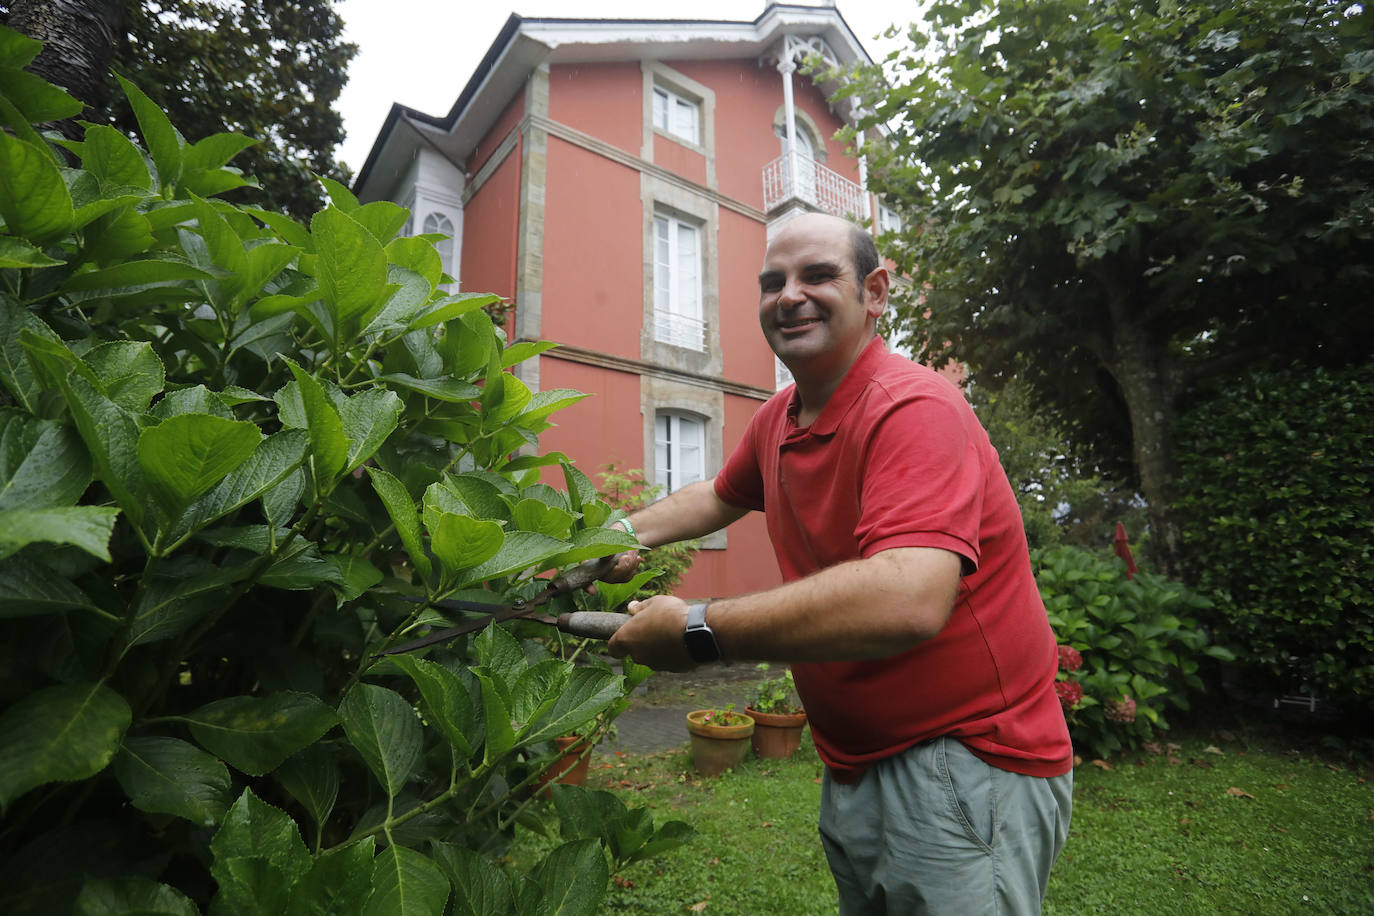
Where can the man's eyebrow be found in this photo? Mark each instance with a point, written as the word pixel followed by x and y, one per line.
pixel 769 275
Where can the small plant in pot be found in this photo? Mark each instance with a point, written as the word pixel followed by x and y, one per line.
pixel 720 738
pixel 778 716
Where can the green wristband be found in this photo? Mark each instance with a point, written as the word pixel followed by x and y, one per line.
pixel 629 529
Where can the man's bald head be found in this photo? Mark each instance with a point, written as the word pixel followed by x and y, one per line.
pixel 863 252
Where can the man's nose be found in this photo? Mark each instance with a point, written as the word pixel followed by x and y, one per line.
pixel 791 294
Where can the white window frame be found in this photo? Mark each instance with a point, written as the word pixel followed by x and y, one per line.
pixel 678 309
pixel 888 220
pixel 677 115
pixel 436 222
pixel 679 461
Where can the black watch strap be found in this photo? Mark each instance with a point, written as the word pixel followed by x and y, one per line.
pixel 698 638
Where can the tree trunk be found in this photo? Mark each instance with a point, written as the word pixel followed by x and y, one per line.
pixel 78 42
pixel 1149 383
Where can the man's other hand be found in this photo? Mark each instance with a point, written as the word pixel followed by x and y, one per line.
pixel 653 634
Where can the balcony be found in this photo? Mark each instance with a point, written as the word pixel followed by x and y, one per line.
pixel 816 185
pixel 680 330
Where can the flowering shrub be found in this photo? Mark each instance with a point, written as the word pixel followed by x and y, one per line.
pixel 1129 648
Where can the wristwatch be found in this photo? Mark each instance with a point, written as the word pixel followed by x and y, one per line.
pixel 700 641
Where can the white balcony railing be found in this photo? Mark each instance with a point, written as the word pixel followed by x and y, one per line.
pixel 816 185
pixel 680 330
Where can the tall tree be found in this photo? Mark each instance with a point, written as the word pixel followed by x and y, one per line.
pixel 1121 201
pixel 79 38
pixel 266 69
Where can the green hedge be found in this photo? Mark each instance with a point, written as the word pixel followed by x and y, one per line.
pixel 1277 472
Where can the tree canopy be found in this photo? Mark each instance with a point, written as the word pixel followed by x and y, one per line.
pixel 1120 202
pixel 271 71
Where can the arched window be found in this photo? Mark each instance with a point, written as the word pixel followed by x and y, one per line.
pixel 679 450
pixel 439 223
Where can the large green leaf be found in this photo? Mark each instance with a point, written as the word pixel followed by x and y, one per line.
pixel 461 542
pixel 131 277
pixel 500 737
pixel 570 881
pixel 401 508
pixel 129 372
pixel 406 883
pixel 271 463
pixel 109 431
pixel 443 389
pixel 534 515
pixel 383 728
pixel 42 464
pixel 521 550
pixel 480 886
pixel 86 527
pixel 328 443
pixel 28 589
pixel 368 417
pixel 533 693
pixel 114 160
pixel 312 779
pixel 255 734
pixel 17 253
pixel 258 858
pixel 59 734
pixel 587 692
pixel 351 269
pixel 163 141
pixel 168 776
pixel 34 200
pixel 338 884
pixel 186 455
pixel 131 896
pixel 446 698
pixel 182 592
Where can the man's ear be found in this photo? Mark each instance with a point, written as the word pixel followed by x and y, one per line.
pixel 876 286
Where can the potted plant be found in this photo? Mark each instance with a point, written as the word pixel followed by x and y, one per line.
pixel 720 738
pixel 570 768
pixel 778 716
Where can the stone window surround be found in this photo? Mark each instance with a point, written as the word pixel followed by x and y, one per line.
pixel 658 74
pixel 661 395
pixel 660 197
pixel 804 123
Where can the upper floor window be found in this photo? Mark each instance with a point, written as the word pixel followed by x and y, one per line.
pixel 888 220
pixel 679 450
pixel 677 115
pixel 677 283
pixel 439 223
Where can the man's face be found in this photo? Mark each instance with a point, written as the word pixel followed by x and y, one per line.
pixel 812 308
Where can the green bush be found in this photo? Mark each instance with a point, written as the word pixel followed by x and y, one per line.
pixel 1277 475
pixel 1135 646
pixel 630 490
pixel 238 458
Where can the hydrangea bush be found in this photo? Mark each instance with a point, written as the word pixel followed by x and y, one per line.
pixel 1129 648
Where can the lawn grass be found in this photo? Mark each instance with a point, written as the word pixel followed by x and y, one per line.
pixel 1220 821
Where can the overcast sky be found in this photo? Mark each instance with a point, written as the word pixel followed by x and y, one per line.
pixel 422 52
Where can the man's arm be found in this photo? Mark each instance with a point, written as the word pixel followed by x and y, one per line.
pixel 692 512
pixel 868 608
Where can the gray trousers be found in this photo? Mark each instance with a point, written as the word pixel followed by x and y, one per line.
pixel 935 830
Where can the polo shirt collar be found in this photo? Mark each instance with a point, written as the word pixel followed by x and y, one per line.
pixel 853 385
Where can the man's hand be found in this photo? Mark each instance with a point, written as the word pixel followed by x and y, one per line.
pixel 653 634
pixel 626 565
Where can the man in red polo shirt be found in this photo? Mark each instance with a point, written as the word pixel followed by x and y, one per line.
pixel 916 634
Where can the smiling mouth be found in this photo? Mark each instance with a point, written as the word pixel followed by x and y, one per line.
pixel 796 325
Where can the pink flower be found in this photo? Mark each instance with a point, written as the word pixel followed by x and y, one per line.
pixel 1069 659
pixel 1070 692
pixel 1122 710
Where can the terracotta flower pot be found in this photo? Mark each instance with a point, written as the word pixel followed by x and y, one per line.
pixel 776 734
pixel 570 769
pixel 717 748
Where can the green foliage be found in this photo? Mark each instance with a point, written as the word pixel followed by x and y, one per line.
pixel 1139 641
pixel 1112 200
pixel 238 458
pixel 630 490
pixel 776 694
pixel 272 71
pixel 1061 498
pixel 1277 472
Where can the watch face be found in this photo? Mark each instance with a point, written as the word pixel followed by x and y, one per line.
pixel 701 644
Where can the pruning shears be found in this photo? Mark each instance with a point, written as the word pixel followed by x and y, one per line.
pixel 594 624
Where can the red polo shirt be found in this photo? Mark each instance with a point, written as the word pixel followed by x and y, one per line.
pixel 898 459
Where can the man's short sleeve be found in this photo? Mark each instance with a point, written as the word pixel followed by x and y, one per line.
pixel 923 480
pixel 740 481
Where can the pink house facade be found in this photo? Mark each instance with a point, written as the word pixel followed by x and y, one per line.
pixel 618 182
